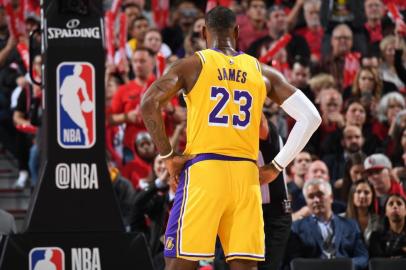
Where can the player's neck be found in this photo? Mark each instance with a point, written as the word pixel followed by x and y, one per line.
pixel 225 45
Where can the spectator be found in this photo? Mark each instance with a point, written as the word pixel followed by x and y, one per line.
pixel 399 56
pixel 391 240
pixel 313 32
pixel 353 171
pixel 151 205
pixel 399 158
pixel 114 133
pixel 143 11
pixel 320 82
pixel 137 31
pixel 341 45
pixel 277 26
pixel 367 87
pixel 389 106
pixel 140 167
pixel 299 169
pixel 351 143
pixel 356 115
pixel 194 41
pixel 387 66
pixel 373 61
pixel 10 67
pixel 334 12
pixel 126 101
pixel 252 24
pixel 131 11
pixel 317 170
pixel 375 27
pixel 361 208
pixel 331 103
pixel 378 171
pixel 300 76
pixel 399 148
pixel 183 16
pixel 22 121
pixel 153 41
pixel 324 234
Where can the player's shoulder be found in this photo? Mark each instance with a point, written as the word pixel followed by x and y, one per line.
pixel 186 66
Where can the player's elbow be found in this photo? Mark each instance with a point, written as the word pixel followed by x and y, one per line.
pixel 316 120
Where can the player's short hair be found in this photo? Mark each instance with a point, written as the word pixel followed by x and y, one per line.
pixel 220 19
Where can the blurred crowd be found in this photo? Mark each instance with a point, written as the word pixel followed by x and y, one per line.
pixel 348 57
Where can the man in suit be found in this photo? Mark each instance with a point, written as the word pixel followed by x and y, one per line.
pixel 323 234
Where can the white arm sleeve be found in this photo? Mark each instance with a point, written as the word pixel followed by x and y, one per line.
pixel 300 108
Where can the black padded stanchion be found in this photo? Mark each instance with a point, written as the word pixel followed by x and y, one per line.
pixel 73 220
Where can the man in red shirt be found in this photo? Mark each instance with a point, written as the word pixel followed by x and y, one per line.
pixel 125 105
pixel 252 24
pixel 313 32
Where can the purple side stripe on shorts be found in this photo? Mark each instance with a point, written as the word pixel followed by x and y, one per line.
pixel 171 241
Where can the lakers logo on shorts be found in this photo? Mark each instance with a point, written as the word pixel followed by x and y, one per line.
pixel 169 243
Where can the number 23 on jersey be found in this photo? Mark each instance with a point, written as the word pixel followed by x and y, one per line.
pixel 222 96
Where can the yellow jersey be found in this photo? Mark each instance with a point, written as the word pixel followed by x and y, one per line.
pixel 224 107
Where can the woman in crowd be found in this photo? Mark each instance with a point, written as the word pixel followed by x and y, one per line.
pixel 390 241
pixel 353 168
pixel 367 87
pixel 361 207
pixel 389 106
pixel 387 67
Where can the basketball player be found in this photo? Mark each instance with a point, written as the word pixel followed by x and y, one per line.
pixel 219 191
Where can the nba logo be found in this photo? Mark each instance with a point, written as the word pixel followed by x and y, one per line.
pixel 47 258
pixel 76 104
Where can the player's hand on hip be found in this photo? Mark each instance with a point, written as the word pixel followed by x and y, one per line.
pixel 267 174
pixel 175 164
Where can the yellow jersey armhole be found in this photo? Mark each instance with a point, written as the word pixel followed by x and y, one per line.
pixel 258 65
pixel 201 56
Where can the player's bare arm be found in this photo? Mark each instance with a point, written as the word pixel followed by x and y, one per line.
pixel 181 75
pixel 300 108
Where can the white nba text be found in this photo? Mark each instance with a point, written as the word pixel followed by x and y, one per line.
pixel 71 135
pixel 76 176
pixel 85 259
